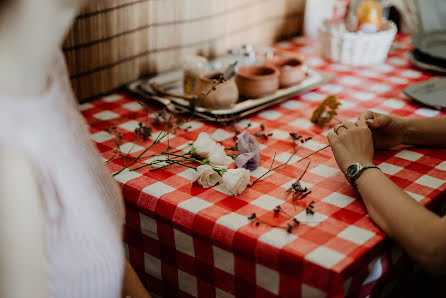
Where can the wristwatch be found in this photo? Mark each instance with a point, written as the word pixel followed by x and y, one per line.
pixel 355 170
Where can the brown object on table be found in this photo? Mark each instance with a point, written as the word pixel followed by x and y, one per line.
pixel 291 70
pixel 325 111
pixel 223 96
pixel 257 81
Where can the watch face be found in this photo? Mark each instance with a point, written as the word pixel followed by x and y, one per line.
pixel 352 170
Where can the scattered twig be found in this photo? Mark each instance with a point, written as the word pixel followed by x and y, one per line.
pixel 312 153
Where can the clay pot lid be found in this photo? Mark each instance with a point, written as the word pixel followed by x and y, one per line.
pixel 258 72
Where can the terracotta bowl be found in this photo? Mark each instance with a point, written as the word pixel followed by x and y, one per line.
pixel 257 81
pixel 291 70
pixel 224 95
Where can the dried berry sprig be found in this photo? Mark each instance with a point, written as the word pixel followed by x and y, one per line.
pixel 144 131
pixel 257 221
pixel 310 208
pixel 289 226
pixel 117 139
pixel 237 131
pixel 294 136
pixel 262 134
pixel 299 192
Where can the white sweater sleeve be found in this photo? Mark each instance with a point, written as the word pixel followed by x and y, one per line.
pixel 22 241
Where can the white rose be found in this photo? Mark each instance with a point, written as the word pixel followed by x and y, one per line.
pixel 218 157
pixel 206 176
pixel 203 145
pixel 236 180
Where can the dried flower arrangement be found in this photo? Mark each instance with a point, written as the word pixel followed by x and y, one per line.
pixel 209 158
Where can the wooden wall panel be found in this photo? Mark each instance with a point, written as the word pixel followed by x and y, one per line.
pixel 114 42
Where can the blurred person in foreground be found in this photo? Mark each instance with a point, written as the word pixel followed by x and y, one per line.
pixel 419 231
pixel 61 213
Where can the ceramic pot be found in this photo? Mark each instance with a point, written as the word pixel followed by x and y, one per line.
pixel 224 96
pixel 291 70
pixel 257 81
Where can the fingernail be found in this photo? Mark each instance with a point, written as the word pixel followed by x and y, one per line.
pixel 370 121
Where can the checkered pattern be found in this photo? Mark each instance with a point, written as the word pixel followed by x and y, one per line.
pixel 193 242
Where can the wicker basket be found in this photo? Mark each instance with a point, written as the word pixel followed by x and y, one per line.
pixel 357 48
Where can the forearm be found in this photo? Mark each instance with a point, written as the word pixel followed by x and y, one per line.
pixel 426 131
pixel 132 286
pixel 417 229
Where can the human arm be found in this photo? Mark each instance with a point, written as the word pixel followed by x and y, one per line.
pixel 23 271
pixel 389 131
pixel 132 286
pixel 421 232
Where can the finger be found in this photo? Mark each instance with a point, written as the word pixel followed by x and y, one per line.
pixel 339 128
pixel 349 124
pixel 331 137
pixel 380 121
pixel 366 115
pixel 369 115
pixel 361 123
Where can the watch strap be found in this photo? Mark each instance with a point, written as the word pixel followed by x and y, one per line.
pixel 363 166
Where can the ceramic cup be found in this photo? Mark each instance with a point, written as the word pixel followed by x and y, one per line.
pixel 257 81
pixel 224 95
pixel 291 70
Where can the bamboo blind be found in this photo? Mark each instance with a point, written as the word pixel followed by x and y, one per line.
pixel 113 42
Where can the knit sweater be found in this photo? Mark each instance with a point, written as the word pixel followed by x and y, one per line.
pixel 82 204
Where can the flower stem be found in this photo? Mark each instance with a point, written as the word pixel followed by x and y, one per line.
pixel 178 155
pixel 161 136
pixel 286 162
pixel 143 152
pixel 304 171
pixel 269 170
pixel 312 153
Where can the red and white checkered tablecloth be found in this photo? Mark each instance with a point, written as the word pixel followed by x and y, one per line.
pixel 193 242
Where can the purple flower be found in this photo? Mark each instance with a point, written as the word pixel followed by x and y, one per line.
pixel 249 157
pixel 247 143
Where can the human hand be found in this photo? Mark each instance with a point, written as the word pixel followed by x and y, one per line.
pixel 388 131
pixel 351 143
